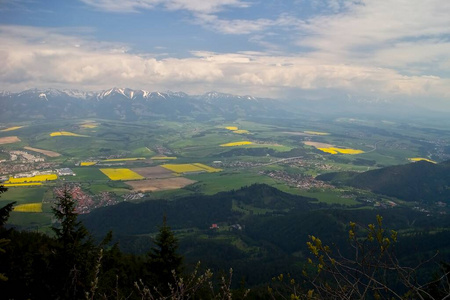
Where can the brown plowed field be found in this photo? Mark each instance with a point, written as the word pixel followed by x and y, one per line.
pixel 45 152
pixel 9 140
pixel 318 145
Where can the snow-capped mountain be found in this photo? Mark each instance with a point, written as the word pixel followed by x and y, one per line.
pixel 125 103
pixel 222 96
pixel 124 93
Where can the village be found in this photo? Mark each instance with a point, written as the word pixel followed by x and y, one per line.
pixel 298 180
pixel 23 162
pixel 85 202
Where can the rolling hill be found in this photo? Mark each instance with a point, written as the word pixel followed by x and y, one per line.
pixel 420 181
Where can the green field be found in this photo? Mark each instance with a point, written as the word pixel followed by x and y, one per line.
pixel 23 195
pixel 273 140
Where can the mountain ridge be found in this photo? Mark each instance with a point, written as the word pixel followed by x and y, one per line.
pixel 125 92
pixel 128 104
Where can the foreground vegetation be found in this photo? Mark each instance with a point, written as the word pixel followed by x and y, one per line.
pixel 70 265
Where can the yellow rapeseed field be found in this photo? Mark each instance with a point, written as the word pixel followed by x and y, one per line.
pixel 121 174
pixel 207 168
pixel 334 150
pixel 123 159
pixel 163 157
pixel 189 168
pixel 183 168
pixel 37 178
pixel 236 144
pixel 316 132
pixel 89 125
pixel 421 158
pixel 29 207
pixel 87 163
pixel 236 130
pixel 22 184
pixel 241 131
pixel 11 128
pixel 66 133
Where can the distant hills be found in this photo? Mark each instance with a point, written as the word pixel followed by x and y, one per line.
pixel 128 104
pixel 420 181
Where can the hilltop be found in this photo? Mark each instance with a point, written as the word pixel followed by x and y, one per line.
pixel 419 181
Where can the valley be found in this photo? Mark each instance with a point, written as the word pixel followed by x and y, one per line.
pixel 165 159
pixel 254 187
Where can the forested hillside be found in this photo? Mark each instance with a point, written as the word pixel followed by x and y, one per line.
pixel 420 181
pixel 73 264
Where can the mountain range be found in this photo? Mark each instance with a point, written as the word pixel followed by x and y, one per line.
pixel 131 105
pixel 127 104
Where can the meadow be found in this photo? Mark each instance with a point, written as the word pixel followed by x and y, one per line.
pixel 213 156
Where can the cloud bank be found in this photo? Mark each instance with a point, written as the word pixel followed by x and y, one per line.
pixel 31 57
pixel 383 49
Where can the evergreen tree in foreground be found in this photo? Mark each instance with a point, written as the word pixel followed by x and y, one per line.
pixel 4 215
pixel 71 233
pixel 75 253
pixel 163 260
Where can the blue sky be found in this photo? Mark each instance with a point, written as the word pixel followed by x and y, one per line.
pixel 393 50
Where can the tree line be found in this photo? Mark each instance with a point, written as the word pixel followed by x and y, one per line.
pixel 72 265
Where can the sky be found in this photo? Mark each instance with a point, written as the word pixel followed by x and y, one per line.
pixel 387 50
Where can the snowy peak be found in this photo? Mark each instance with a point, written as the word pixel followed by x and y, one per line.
pixel 122 94
pixel 43 96
pixel 125 104
pixel 79 94
pixel 129 94
pixel 139 94
pixel 110 92
pixel 215 95
pixel 223 96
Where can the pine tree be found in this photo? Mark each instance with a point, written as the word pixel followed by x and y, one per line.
pixel 4 215
pixel 75 253
pixel 71 233
pixel 164 261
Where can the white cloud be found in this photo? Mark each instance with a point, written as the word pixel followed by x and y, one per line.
pixel 242 26
pixel 197 6
pixel 36 57
pixel 376 32
pixel 203 12
pixel 122 6
pixel 202 6
pixel 234 26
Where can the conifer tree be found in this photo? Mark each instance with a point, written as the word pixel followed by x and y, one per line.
pixel 164 262
pixel 71 233
pixel 4 215
pixel 75 253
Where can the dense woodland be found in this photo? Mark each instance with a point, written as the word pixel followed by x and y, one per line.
pixel 422 181
pixel 292 261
